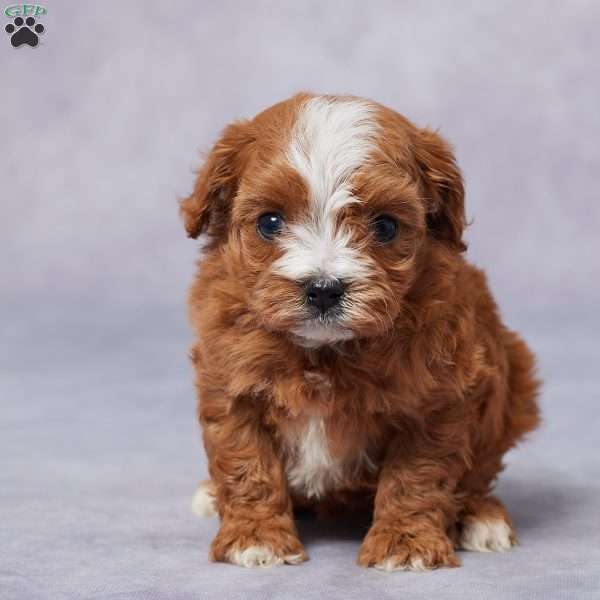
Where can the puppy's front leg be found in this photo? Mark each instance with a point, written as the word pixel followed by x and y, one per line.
pixel 257 526
pixel 414 508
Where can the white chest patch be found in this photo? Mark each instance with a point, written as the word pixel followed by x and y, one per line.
pixel 311 469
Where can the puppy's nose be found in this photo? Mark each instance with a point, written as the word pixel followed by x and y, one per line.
pixel 323 293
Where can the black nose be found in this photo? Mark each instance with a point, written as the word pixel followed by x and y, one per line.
pixel 324 293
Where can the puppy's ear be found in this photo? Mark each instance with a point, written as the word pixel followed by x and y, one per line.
pixel 444 188
pixel 208 207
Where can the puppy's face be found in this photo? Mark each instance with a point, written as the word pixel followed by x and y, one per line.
pixel 320 206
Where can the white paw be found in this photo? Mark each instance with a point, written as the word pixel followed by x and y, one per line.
pixel 391 564
pixel 203 502
pixel 261 556
pixel 486 535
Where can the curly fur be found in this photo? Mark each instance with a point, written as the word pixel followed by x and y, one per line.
pixel 405 406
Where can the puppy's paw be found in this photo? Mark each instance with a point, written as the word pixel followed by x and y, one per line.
pixel 486 527
pixel 389 548
pixel 203 502
pixel 262 556
pixel 486 535
pixel 266 543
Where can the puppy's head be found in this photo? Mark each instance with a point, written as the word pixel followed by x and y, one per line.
pixel 320 207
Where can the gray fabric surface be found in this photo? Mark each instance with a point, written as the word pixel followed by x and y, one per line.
pixel 101 124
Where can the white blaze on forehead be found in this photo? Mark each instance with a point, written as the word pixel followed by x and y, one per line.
pixel 331 139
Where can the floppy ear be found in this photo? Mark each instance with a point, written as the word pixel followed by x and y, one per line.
pixel 208 207
pixel 444 188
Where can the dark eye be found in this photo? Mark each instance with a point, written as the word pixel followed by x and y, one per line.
pixel 385 228
pixel 269 225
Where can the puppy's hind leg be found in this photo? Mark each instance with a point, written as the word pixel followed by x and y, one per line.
pixel 485 526
pixel 203 502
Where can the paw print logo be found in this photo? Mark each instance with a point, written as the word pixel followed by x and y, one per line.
pixel 24 32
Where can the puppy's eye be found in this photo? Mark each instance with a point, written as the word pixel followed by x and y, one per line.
pixel 269 225
pixel 385 228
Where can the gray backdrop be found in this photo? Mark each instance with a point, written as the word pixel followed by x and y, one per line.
pixel 101 128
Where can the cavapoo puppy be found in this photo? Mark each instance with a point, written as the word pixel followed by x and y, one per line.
pixel 347 355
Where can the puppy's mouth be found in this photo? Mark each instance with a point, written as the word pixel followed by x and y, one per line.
pixel 318 331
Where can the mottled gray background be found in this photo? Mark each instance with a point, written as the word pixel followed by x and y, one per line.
pixel 101 128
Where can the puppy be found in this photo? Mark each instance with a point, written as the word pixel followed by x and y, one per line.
pixel 347 355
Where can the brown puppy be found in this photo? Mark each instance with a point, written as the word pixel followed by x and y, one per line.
pixel 347 353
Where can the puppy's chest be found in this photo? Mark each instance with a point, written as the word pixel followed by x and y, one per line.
pixel 323 449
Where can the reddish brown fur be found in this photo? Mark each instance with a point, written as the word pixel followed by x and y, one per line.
pixel 436 390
